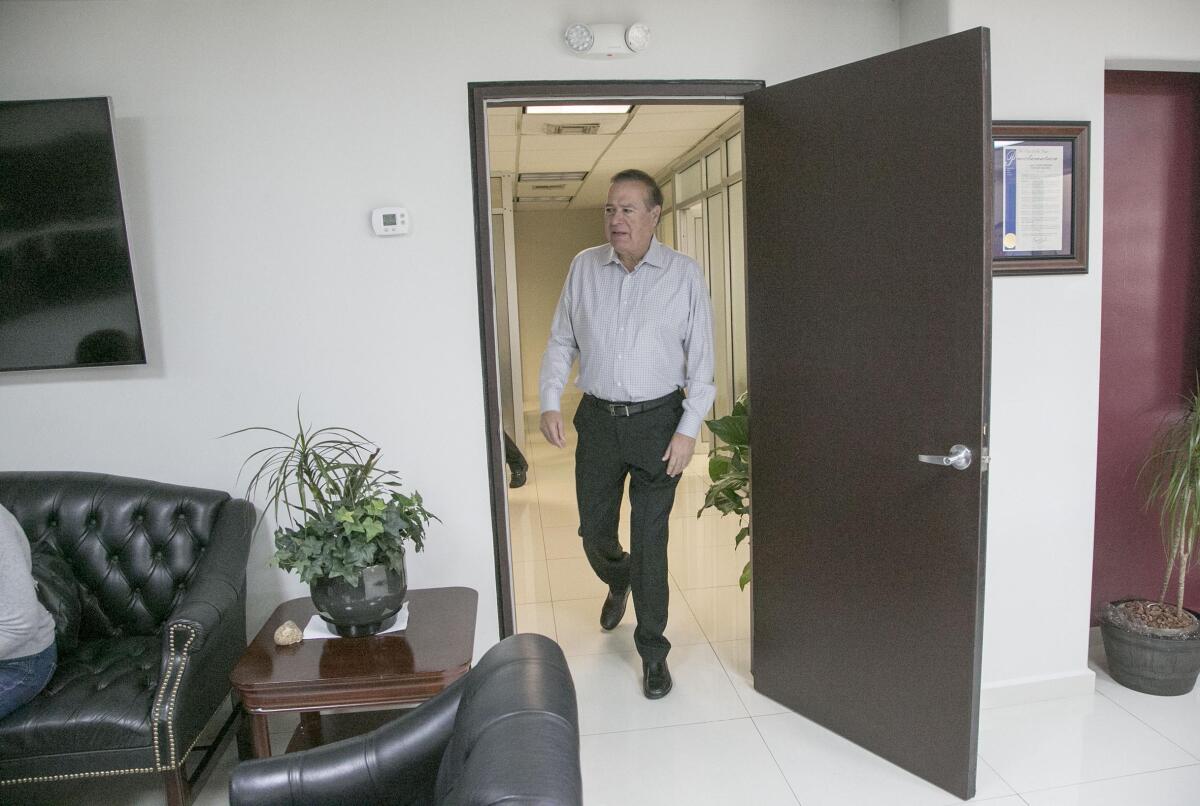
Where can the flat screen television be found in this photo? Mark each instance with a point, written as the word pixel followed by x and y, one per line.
pixel 66 283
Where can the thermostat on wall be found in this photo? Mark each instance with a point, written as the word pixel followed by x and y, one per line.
pixel 389 221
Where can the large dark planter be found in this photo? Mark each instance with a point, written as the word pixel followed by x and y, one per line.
pixel 364 609
pixel 1153 664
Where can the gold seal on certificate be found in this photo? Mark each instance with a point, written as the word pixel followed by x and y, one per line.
pixel 1010 240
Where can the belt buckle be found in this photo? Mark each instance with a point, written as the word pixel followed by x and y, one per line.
pixel 613 409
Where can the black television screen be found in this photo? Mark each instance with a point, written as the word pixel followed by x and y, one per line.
pixel 66 283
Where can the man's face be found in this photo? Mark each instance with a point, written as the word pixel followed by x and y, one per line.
pixel 629 221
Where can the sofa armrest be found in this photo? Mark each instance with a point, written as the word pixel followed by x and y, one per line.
pixel 203 637
pixel 219 583
pixel 394 764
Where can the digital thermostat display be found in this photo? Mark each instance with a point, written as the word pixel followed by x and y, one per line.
pixel 389 221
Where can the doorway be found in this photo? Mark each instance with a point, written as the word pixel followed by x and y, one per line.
pixel 856 246
pixel 550 167
pixel 1150 311
pixel 682 95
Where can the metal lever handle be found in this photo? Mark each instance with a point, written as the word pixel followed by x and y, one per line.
pixel 959 458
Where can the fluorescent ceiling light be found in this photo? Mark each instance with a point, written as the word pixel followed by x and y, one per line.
pixel 580 109
pixel 551 176
pixel 527 199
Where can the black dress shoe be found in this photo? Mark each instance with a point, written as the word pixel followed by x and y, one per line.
pixel 518 478
pixel 656 679
pixel 614 608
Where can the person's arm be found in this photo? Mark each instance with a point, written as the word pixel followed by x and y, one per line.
pixel 698 350
pixel 561 351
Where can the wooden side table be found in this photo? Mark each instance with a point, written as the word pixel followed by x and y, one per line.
pixel 400 668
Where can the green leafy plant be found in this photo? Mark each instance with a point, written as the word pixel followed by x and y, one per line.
pixel 1172 476
pixel 343 512
pixel 729 471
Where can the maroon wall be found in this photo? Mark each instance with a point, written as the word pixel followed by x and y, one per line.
pixel 1150 328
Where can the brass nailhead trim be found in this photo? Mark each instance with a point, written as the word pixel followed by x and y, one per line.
pixel 102 774
pixel 74 776
pixel 174 763
pixel 162 689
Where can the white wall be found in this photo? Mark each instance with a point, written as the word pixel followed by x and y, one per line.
pixel 1048 62
pixel 253 138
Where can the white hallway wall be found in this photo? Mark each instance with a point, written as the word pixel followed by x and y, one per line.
pixel 546 242
pixel 253 139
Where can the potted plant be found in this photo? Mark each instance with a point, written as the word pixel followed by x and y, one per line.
pixel 729 471
pixel 346 522
pixel 1153 646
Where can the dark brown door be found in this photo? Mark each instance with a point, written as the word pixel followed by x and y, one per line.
pixel 868 218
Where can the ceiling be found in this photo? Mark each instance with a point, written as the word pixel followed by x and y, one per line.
pixel 649 137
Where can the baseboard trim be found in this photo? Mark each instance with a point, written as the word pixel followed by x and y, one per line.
pixel 1023 690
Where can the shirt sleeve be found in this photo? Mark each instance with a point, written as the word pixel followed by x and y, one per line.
pixel 561 352
pixel 698 351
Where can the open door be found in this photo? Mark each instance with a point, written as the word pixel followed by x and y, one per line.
pixel 869 280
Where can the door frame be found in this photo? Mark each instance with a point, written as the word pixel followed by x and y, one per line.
pixel 480 96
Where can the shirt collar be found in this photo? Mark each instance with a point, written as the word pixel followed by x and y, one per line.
pixel 655 255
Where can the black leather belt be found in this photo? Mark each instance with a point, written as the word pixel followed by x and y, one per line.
pixel 630 409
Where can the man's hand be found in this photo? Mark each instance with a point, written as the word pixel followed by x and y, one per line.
pixel 678 454
pixel 553 429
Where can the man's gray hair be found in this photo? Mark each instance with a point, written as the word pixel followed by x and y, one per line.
pixel 653 191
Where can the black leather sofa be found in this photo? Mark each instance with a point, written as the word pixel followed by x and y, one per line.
pixel 154 574
pixel 506 732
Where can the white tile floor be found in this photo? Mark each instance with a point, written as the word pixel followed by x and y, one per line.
pixel 714 740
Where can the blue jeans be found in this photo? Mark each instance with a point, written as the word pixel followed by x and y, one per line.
pixel 22 678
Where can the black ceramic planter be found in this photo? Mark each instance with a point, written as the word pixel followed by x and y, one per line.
pixel 354 611
pixel 1151 664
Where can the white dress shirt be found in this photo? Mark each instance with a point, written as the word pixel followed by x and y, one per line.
pixel 639 334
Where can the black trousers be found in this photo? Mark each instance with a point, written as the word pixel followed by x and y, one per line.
pixel 611 449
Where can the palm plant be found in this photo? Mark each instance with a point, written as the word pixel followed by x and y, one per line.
pixel 345 512
pixel 729 471
pixel 1172 474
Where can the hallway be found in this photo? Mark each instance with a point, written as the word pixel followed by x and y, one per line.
pixel 714 740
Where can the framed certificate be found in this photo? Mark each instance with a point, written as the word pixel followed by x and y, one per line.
pixel 1040 197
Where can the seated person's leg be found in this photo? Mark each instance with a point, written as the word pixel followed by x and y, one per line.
pixel 22 678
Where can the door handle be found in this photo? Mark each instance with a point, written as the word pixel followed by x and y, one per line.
pixel 959 458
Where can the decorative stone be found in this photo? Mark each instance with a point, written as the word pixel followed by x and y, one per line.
pixel 288 633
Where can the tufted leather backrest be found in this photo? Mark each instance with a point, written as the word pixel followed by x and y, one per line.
pixel 133 544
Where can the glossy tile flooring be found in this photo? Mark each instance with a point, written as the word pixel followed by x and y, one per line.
pixel 714 740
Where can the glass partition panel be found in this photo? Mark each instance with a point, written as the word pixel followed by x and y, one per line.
pixel 712 170
pixel 718 284
pixel 733 154
pixel 689 181
pixel 737 286
pixel 666 229
pixel 689 228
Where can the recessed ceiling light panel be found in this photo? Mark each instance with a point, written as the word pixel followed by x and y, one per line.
pixel 579 109
pixel 552 176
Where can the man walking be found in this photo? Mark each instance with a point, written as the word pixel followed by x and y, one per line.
pixel 638 316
